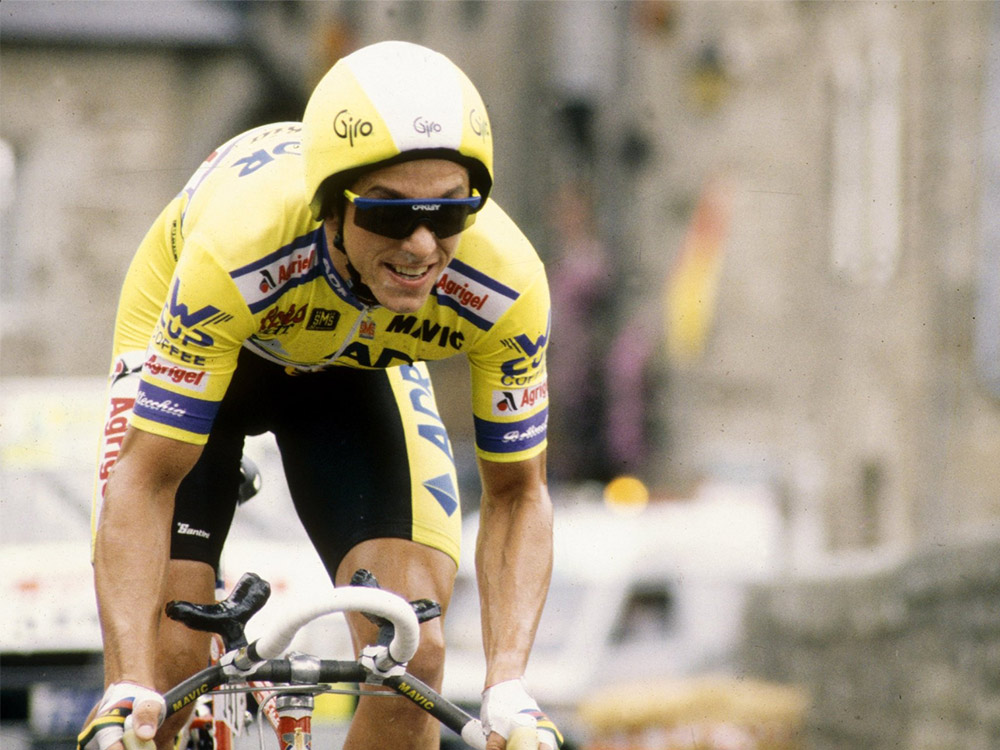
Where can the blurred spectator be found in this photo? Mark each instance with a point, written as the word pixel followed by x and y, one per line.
pixel 628 366
pixel 582 285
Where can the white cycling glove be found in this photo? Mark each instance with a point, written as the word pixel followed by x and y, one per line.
pixel 504 706
pixel 114 717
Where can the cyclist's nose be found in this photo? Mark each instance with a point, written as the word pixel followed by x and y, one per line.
pixel 421 242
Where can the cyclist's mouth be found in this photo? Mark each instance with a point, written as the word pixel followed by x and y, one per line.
pixel 409 274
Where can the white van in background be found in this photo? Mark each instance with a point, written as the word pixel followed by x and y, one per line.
pixel 635 595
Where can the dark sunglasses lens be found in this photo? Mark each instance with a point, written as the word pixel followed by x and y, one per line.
pixel 449 220
pixel 400 221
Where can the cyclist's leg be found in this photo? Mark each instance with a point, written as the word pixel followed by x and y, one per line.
pixel 180 650
pixel 371 472
pixel 414 571
pixel 203 512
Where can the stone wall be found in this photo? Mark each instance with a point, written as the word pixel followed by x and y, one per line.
pixel 904 656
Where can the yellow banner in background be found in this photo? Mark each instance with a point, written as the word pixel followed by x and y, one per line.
pixel 691 287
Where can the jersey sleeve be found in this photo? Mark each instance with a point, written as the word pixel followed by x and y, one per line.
pixel 193 350
pixel 510 397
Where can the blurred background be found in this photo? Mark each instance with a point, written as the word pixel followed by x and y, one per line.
pixel 772 232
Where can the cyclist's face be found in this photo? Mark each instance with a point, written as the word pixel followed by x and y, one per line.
pixel 402 273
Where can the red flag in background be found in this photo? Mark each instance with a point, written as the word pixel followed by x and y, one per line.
pixel 692 281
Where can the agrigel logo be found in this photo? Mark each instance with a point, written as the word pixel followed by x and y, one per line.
pixel 346 127
pixel 278 274
pixel 158 369
pixel 465 295
pixel 517 400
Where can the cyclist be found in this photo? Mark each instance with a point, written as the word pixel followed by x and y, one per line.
pixel 296 285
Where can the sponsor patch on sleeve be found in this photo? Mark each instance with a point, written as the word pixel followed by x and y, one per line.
pixel 186 413
pixel 157 368
pixel 514 401
pixel 265 280
pixel 511 437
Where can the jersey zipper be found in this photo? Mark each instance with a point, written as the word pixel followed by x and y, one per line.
pixel 350 337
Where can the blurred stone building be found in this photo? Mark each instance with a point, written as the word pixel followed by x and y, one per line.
pixel 849 349
pixel 828 170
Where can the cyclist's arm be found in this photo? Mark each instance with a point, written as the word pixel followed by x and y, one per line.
pixel 132 549
pixel 513 561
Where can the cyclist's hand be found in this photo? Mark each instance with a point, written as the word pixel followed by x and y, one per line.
pixel 125 709
pixel 504 706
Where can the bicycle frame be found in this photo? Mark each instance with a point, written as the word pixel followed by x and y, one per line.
pixel 244 666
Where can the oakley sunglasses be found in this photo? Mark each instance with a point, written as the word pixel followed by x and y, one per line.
pixel 397 218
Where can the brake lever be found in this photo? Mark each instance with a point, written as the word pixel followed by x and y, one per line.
pixel 424 609
pixel 229 617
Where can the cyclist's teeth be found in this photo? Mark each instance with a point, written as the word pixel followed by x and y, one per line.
pixel 414 272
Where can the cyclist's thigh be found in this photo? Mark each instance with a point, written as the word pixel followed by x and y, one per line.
pixel 367 457
pixel 207 498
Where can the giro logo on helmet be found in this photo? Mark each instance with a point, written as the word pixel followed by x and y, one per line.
pixel 479 124
pixel 345 126
pixel 427 127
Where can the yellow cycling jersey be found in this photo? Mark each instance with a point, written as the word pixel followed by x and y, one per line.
pixel 237 260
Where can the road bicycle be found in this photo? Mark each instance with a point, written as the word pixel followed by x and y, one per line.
pixel 257 678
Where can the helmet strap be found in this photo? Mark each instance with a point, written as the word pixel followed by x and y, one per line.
pixel 358 288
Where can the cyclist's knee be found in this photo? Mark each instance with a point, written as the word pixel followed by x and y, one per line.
pixel 428 662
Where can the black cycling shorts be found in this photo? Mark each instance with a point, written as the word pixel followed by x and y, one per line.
pixel 365 455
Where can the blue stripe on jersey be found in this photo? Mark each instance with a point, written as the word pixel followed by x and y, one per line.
pixel 483 279
pixel 279 271
pixel 183 412
pixel 467 294
pixel 265 302
pixel 463 312
pixel 314 237
pixel 202 174
pixel 511 437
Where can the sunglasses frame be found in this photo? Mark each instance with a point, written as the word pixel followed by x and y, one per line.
pixel 421 211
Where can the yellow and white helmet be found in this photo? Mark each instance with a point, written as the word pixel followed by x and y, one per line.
pixel 388 102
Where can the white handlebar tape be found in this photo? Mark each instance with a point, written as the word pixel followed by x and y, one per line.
pixel 406 636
